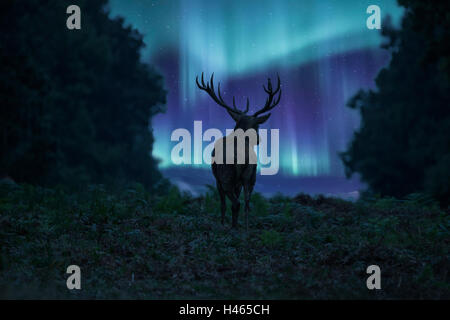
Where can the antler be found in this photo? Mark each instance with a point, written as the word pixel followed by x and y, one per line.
pixel 209 88
pixel 270 104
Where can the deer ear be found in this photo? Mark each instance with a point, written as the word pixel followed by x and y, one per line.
pixel 263 119
pixel 236 116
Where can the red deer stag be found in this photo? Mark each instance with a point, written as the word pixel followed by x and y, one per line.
pixel 231 177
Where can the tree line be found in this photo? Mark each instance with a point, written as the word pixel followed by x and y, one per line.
pixel 75 104
pixel 403 144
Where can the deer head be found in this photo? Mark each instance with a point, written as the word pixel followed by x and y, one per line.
pixel 242 119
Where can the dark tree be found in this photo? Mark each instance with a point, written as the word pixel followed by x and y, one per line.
pixel 75 105
pixel 403 144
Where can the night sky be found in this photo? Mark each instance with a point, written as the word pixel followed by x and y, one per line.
pixel 321 49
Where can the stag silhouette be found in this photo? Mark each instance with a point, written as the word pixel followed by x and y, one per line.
pixel 232 177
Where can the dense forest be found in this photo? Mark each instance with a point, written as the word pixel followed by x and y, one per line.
pixel 76 146
pixel 75 105
pixel 403 145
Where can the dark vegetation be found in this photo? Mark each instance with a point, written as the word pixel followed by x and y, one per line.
pixel 74 132
pixel 174 246
pixel 75 105
pixel 403 145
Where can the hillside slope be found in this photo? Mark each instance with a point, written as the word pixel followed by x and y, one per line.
pixel 132 244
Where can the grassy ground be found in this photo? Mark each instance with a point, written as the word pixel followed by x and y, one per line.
pixel 135 245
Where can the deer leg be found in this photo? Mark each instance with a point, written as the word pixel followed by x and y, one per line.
pixel 237 191
pixel 223 203
pixel 235 207
pixel 247 194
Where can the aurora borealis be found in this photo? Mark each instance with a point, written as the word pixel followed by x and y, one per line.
pixel 321 49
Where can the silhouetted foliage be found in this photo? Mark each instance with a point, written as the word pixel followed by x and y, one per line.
pixel 75 105
pixel 403 145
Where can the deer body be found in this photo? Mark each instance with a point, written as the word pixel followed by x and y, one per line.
pixel 231 178
pixel 239 173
